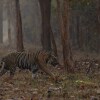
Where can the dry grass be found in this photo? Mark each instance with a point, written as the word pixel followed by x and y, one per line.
pixel 72 87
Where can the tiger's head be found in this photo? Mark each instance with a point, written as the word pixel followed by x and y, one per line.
pixel 52 60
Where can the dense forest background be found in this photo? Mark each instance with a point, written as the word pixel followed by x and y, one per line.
pixel 83 23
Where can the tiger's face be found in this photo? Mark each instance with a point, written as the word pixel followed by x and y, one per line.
pixel 53 60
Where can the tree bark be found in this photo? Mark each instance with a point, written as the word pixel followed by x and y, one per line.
pixel 47 37
pixel 45 13
pixel 1 22
pixel 98 27
pixel 9 23
pixel 54 47
pixel 19 36
pixel 63 14
pixel 78 30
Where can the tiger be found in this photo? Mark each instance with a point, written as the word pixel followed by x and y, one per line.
pixel 33 61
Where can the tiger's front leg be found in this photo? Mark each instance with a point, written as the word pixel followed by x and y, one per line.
pixel 43 67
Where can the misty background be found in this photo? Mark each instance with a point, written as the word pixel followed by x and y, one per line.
pixel 83 20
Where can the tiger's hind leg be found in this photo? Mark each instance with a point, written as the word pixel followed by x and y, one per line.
pixel 3 71
pixel 12 72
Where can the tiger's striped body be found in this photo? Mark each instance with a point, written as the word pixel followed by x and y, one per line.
pixel 25 60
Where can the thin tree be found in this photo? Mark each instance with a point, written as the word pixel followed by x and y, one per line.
pixel 9 22
pixel 1 22
pixel 63 13
pixel 19 36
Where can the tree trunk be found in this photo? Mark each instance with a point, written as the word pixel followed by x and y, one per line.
pixel 1 22
pixel 45 13
pixel 64 26
pixel 47 37
pixel 53 44
pixel 20 46
pixel 98 27
pixel 78 31
pixel 9 23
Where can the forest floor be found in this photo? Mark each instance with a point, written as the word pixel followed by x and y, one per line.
pixel 72 87
pixel 78 86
